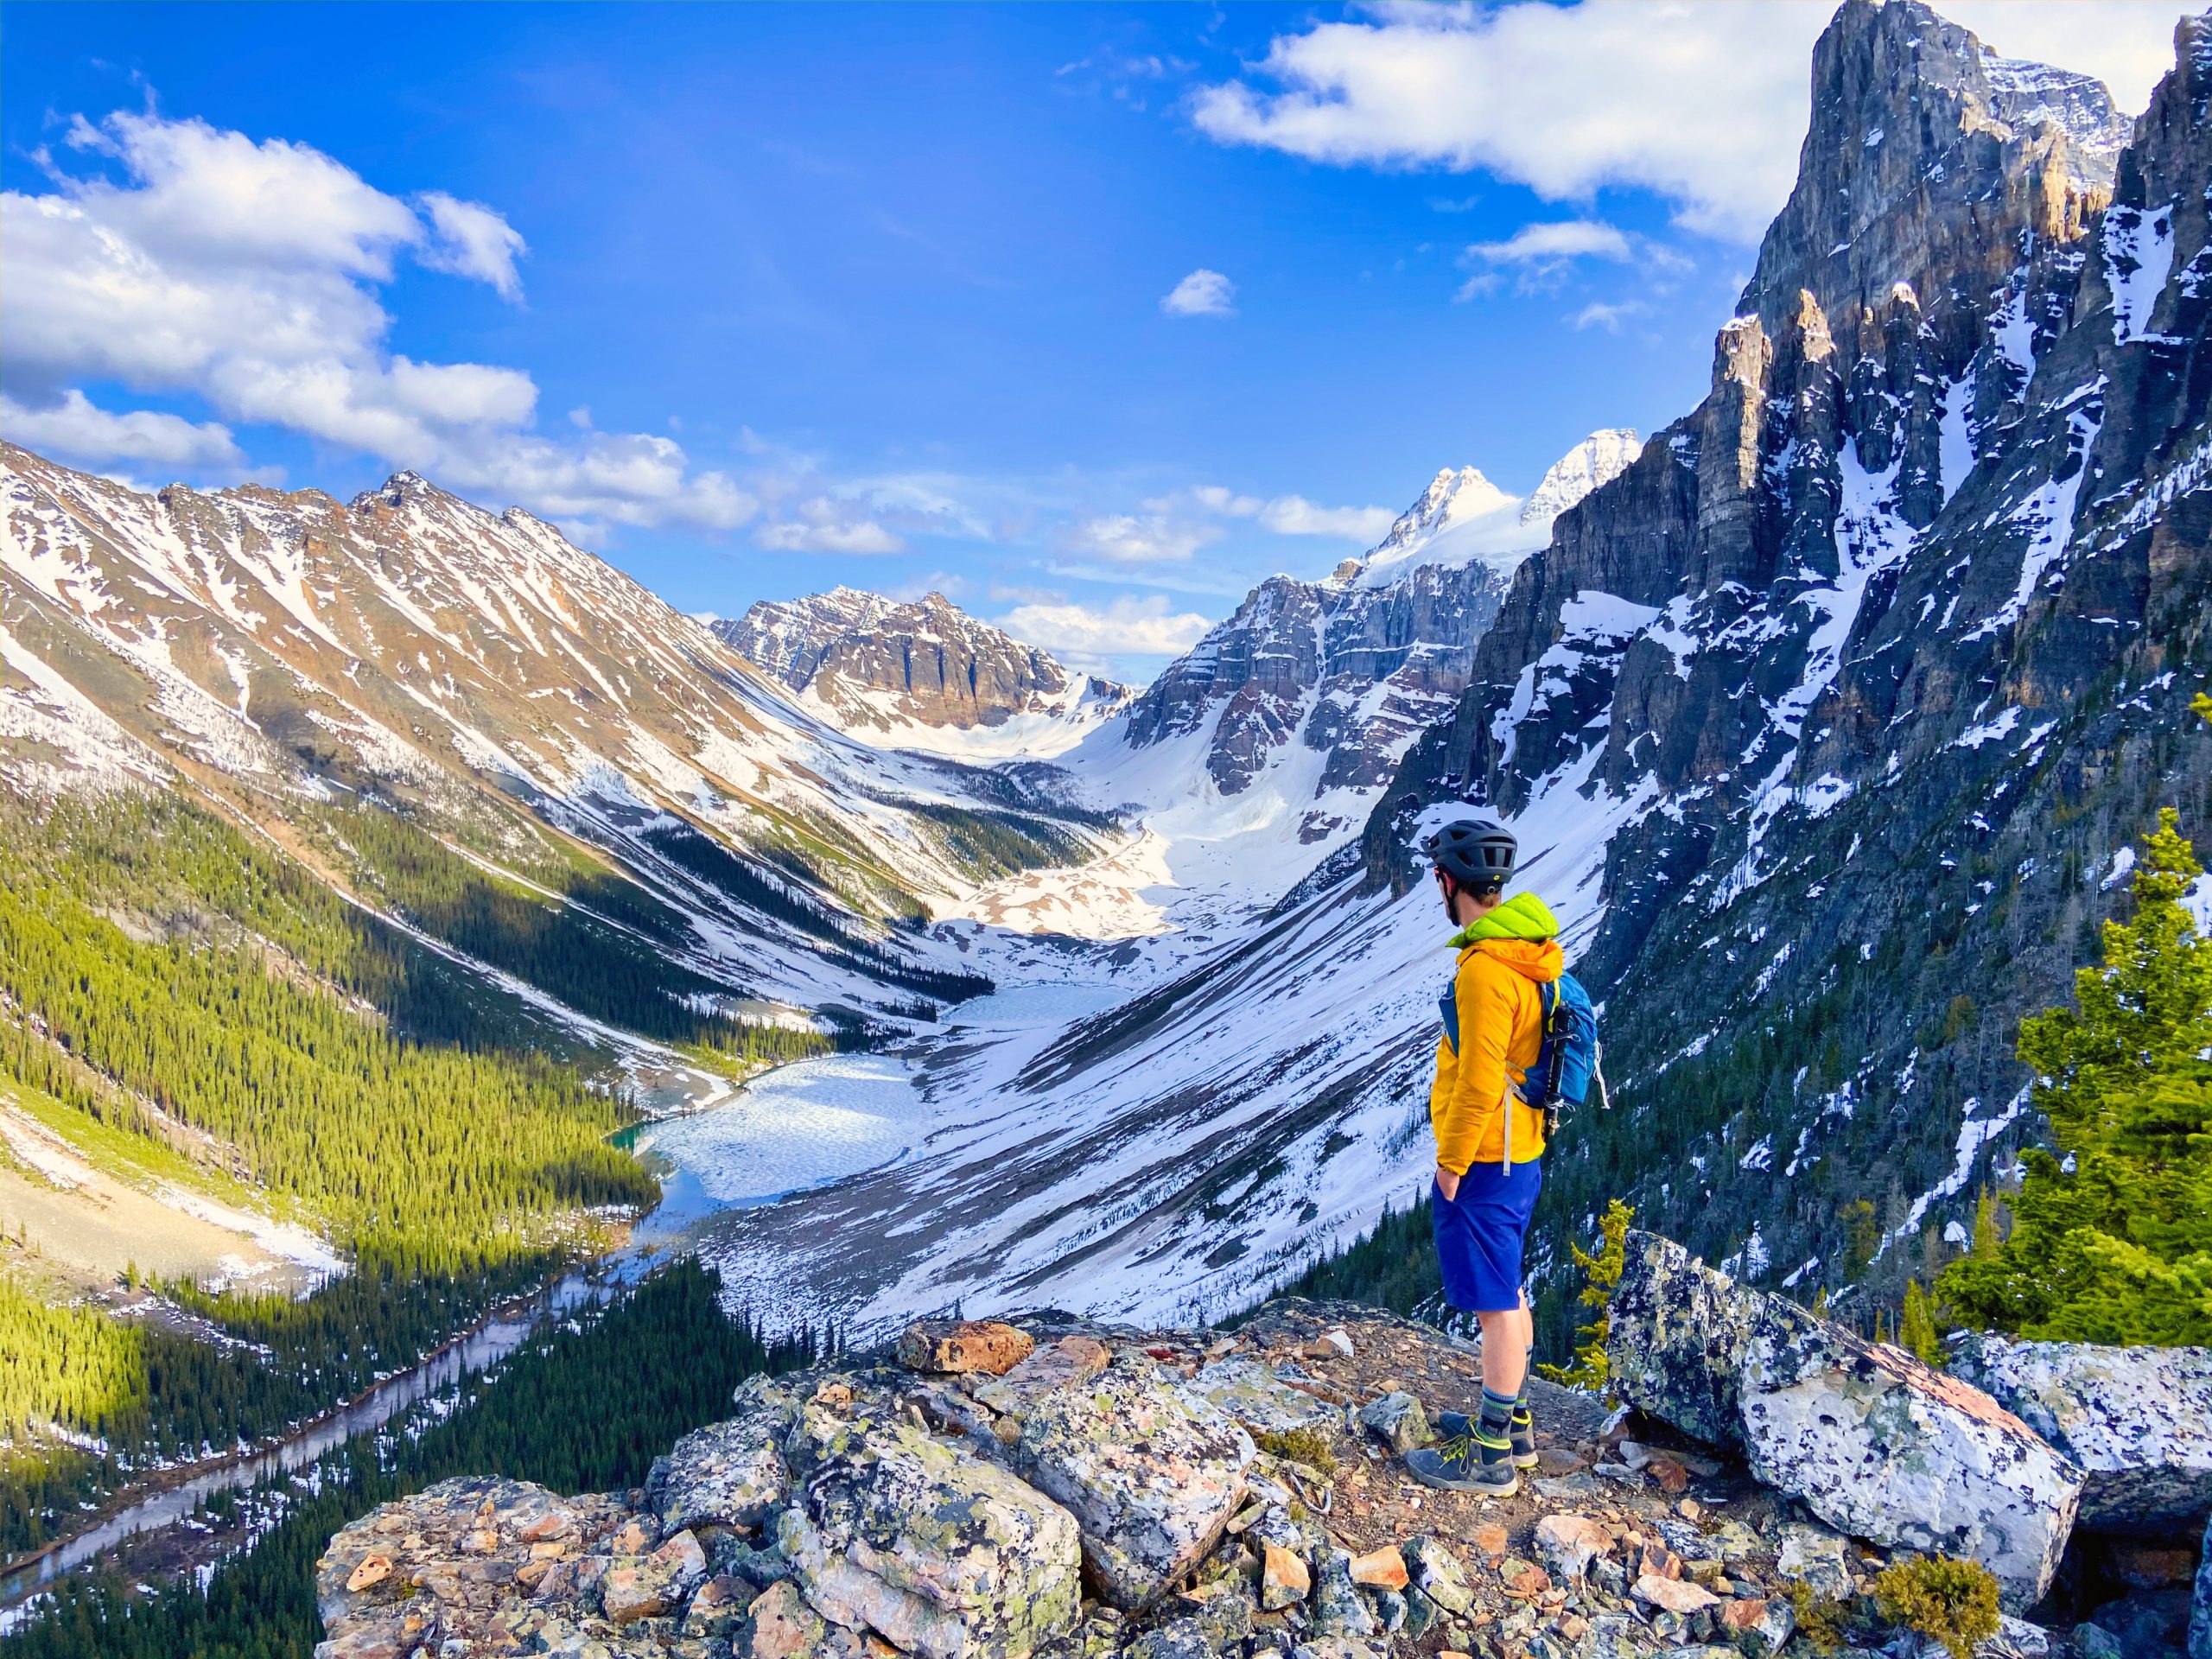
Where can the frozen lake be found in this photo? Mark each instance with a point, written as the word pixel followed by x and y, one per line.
pixel 796 1126
pixel 815 1121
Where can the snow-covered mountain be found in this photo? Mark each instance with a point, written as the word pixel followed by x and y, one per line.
pixel 1259 751
pixel 1825 725
pixel 277 654
pixel 1463 518
pixel 922 674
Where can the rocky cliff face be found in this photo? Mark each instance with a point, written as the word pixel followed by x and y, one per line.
pixel 1354 666
pixel 881 668
pixel 1868 668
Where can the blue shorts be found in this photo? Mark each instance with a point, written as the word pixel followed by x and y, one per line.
pixel 1478 1235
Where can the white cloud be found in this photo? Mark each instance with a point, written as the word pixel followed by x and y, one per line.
pixel 1294 515
pixel 246 273
pixel 472 240
pixel 1084 636
pixel 1554 244
pixel 1599 314
pixel 1283 515
pixel 827 524
pixel 77 430
pixel 1705 105
pixel 1131 538
pixel 1202 294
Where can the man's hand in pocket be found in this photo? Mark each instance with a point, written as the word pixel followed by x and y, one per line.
pixel 1447 1184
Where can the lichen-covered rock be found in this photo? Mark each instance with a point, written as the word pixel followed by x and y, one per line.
pixel 1887 1449
pixel 1050 1367
pixel 1875 1442
pixel 963 1345
pixel 1284 1580
pixel 1398 1420
pixel 1436 1574
pixel 1567 1543
pixel 1151 1475
pixel 783 1626
pixel 1255 1394
pixel 1759 1625
pixel 2138 1421
pixel 1677 1337
pixel 652 1586
pixel 730 1473
pixel 448 1560
pixel 940 1551
pixel 1337 1607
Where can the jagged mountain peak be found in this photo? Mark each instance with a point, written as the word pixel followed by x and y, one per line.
pixel 1599 457
pixel 1453 496
pixel 1463 517
pixel 920 673
pixel 1922 140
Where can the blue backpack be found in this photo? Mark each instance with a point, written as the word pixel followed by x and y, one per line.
pixel 1567 1063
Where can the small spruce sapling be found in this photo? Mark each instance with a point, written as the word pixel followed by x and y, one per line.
pixel 1593 1370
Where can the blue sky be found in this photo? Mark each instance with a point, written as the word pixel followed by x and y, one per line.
pixel 756 300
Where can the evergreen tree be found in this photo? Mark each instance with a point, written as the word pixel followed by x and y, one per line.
pixel 1916 1325
pixel 2114 1243
pixel 1594 1367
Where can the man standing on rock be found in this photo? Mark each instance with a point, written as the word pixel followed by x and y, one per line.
pixel 1489 1145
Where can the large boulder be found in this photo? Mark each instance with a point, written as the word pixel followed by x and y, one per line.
pixel 729 1473
pixel 1874 1442
pixel 2136 1421
pixel 959 1346
pixel 1678 1337
pixel 937 1550
pixel 1152 1473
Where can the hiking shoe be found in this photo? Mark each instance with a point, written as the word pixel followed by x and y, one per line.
pixel 1457 1425
pixel 1456 1465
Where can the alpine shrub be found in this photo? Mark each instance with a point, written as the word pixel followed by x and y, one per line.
pixel 1948 1601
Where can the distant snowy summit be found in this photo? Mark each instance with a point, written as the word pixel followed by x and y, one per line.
pixel 1464 518
pixel 921 674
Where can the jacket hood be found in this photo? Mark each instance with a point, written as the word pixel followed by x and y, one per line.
pixel 1518 933
pixel 1523 916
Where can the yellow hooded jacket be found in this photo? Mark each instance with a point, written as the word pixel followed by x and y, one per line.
pixel 1504 958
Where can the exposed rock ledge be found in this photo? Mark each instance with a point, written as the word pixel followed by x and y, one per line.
pixel 1083 1490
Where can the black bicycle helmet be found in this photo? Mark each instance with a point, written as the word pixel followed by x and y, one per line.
pixel 1474 852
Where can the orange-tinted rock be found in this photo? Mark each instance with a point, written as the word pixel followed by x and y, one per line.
pixel 1380 1569
pixel 989 1345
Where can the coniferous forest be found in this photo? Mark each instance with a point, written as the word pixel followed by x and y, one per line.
pixel 174 988
pixel 578 1410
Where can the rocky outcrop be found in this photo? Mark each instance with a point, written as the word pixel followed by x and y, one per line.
pixel 920 1539
pixel 878 665
pixel 2138 1421
pixel 1113 1507
pixel 1875 1442
pixel 1151 1474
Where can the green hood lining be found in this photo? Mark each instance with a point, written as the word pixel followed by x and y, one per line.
pixel 1523 916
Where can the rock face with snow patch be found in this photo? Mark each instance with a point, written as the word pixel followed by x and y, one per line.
pixel 880 667
pixel 2138 1421
pixel 1875 1442
pixel 1860 667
